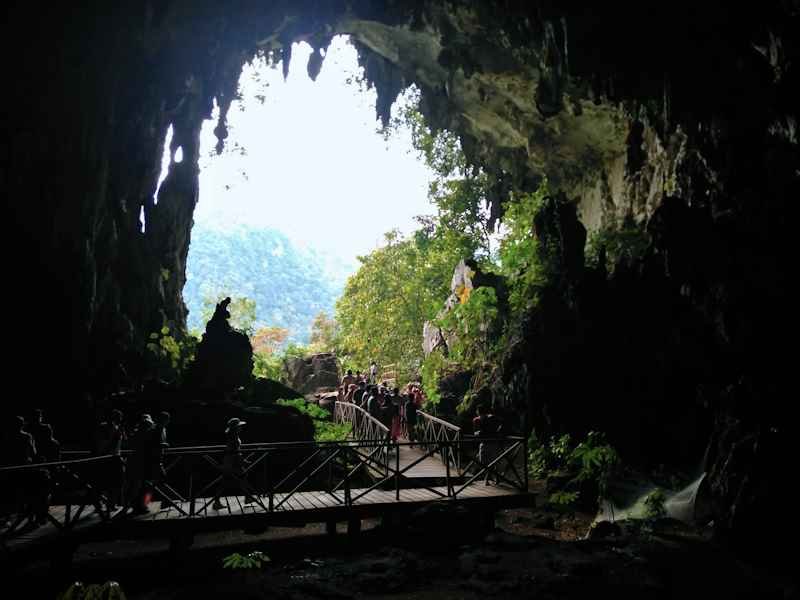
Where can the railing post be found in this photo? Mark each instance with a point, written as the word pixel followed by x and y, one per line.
pixel 525 459
pixel 191 486
pixel 447 475
pixel 268 483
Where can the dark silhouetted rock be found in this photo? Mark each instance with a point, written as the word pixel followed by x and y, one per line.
pixel 224 360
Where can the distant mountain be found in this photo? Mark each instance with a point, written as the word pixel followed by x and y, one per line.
pixel 290 285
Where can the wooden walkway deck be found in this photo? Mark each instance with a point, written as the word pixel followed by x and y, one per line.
pixel 301 508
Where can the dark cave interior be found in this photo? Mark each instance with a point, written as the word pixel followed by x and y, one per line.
pixel 678 117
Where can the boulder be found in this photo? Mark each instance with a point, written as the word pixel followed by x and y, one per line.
pixel 310 374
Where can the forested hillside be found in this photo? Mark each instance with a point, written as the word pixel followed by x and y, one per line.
pixel 290 285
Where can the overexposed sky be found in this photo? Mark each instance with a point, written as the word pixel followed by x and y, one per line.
pixel 304 157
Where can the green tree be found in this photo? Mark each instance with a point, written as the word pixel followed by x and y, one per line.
pixel 324 333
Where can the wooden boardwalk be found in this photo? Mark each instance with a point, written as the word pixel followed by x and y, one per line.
pixel 293 483
pixel 300 508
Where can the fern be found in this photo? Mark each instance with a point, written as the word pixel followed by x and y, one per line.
pixel 253 560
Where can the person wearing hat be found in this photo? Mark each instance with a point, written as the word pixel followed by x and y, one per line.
pixel 232 460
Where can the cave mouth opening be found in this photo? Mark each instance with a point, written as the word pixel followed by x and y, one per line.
pixel 305 184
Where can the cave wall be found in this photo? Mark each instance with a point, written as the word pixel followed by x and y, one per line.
pixel 620 107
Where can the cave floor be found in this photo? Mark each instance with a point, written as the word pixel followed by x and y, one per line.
pixel 536 553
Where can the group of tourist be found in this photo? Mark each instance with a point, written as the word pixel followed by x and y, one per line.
pixel 130 480
pixel 27 442
pixel 396 410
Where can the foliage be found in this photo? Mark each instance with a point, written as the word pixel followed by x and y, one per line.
pixel 289 285
pixel 267 340
pixel 324 429
pixel 385 304
pixel 473 323
pixel 268 366
pixel 524 260
pixel 654 504
pixel 433 369
pixel 624 240
pixel 170 352
pixel 563 498
pixel 110 590
pixel 592 460
pixel 324 333
pixel 252 560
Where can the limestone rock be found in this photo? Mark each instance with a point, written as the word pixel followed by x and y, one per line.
pixel 432 338
pixel 224 360
pixel 310 374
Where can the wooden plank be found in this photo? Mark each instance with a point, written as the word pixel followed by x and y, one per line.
pixel 310 501
pixel 300 501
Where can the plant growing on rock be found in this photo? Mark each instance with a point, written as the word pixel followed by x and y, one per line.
pixel 587 466
pixel 169 352
pixel 654 504
pixel 324 429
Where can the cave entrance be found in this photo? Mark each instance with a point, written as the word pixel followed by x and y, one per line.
pixel 304 185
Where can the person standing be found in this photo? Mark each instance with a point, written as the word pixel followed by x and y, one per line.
pixel 109 438
pixel 157 449
pixel 486 427
pixel 232 464
pixel 47 447
pixel 395 409
pixel 139 468
pixel 410 410
pixel 373 372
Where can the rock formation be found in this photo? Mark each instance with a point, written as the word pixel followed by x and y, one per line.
pixel 224 361
pixel 313 373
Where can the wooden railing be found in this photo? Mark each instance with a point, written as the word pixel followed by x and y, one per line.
pixel 432 430
pixel 270 474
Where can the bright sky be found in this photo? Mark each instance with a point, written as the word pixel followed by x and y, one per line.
pixel 312 164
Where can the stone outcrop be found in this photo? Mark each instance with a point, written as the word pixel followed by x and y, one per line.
pixel 467 276
pixel 313 373
pixel 224 360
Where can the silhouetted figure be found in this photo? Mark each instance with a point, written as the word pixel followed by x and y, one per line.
pixel 157 449
pixel 486 426
pixel 109 437
pixel 232 464
pixel 139 467
pixel 21 447
pixel 47 447
pixel 358 395
pixel 30 489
